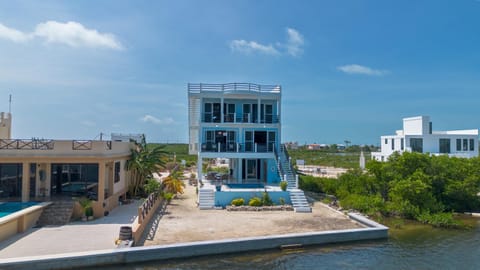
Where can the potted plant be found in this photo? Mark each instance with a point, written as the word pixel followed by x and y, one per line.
pixel 87 208
pixel 283 185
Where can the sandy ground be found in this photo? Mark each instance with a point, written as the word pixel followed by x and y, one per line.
pixel 322 171
pixel 181 221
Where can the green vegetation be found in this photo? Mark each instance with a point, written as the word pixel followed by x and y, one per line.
pixel 145 160
pixel 412 186
pixel 266 200
pixel 238 202
pixel 281 201
pixel 86 205
pixel 180 151
pixel 255 201
pixel 332 156
pixel 174 182
pixel 151 186
pixel 283 185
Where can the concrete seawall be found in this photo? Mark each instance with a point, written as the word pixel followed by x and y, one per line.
pixel 193 249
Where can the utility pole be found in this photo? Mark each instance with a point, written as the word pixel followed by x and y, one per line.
pixel 10 104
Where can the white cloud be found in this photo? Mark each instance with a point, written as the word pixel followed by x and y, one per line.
pixel 72 34
pixel 358 69
pixel 295 42
pixel 152 119
pixel 13 34
pixel 252 46
pixel 293 46
pixel 76 35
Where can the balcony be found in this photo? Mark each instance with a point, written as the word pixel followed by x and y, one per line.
pixel 238 147
pixel 240 118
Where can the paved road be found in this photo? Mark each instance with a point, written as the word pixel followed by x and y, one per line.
pixel 74 237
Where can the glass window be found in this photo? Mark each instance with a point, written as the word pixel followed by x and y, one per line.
pixel 75 179
pixel 444 146
pixel 416 144
pixel 11 181
pixel 117 172
pixel 393 144
pixel 459 144
pixel 402 143
pixel 465 144
pixel 386 141
pixel 472 144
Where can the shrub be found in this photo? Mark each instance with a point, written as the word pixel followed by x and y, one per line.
pixel 283 185
pixel 439 220
pixel 266 200
pixel 281 201
pixel 255 201
pixel 151 186
pixel 167 196
pixel 238 202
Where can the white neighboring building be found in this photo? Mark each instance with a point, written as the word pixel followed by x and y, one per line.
pixel 417 136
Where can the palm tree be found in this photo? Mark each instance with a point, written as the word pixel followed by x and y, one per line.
pixel 143 163
pixel 173 183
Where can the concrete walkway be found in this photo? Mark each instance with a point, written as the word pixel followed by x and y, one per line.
pixel 74 237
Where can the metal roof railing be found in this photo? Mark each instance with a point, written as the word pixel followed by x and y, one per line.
pixel 226 87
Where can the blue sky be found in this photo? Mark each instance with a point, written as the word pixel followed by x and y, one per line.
pixel 349 69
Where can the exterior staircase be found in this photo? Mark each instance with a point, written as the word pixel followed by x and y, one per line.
pixel 206 198
pixel 57 213
pixel 299 201
pixel 297 197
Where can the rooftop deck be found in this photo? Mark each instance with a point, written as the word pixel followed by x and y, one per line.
pixel 232 87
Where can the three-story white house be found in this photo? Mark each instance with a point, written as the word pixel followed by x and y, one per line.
pixel 417 136
pixel 240 122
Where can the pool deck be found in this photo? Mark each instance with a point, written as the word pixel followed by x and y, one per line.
pixel 74 237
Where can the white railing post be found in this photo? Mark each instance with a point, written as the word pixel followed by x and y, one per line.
pixel 238 147
pixel 218 147
pixel 285 177
pixel 296 181
pixel 255 147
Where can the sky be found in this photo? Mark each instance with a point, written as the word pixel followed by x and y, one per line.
pixel 349 69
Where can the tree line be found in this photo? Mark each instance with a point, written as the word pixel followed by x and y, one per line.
pixel 411 185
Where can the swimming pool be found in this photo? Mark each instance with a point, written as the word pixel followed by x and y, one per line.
pixel 8 208
pixel 234 186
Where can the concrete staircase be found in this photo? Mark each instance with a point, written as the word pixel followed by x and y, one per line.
pixel 299 201
pixel 57 213
pixel 206 198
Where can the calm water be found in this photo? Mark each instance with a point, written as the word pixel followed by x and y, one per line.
pixel 413 247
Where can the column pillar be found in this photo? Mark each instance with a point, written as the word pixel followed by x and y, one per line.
pixel 239 171
pixel 221 110
pixel 25 181
pixel 259 111
pixel 101 181
pixel 48 179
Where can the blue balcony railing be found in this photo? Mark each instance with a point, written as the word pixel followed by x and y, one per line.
pixel 248 147
pixel 240 118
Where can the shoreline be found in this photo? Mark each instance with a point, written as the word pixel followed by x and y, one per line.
pixel 113 257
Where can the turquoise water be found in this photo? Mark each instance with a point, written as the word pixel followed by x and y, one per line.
pixel 12 207
pixel 417 247
pixel 234 186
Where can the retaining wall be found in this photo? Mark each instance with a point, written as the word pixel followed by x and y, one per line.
pixel 153 253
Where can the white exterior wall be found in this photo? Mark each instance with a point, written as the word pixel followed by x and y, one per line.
pixel 419 127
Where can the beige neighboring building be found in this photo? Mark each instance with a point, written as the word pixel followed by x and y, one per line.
pixel 41 169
